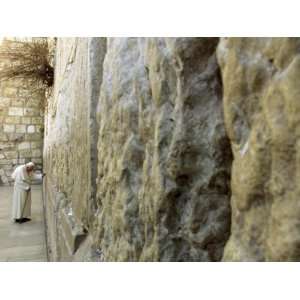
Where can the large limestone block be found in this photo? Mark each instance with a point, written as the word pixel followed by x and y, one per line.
pixel 15 111
pixel 20 128
pixel 262 115
pixel 4 102
pixel 7 128
pixel 70 145
pixel 164 159
pixel 27 120
pixel 12 120
pixel 35 121
pixel 72 235
pixel 31 112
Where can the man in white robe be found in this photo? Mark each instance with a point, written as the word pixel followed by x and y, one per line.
pixel 21 206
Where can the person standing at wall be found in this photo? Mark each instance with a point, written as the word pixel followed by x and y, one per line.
pixel 21 206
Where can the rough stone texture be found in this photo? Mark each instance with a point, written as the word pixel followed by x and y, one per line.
pixel 157 186
pixel 21 127
pixel 164 158
pixel 69 144
pixel 262 113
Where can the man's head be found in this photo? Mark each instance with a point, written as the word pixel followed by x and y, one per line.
pixel 29 167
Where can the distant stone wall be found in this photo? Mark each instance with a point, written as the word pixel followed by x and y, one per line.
pixel 21 127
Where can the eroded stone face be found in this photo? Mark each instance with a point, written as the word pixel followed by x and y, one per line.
pixel 163 156
pixel 262 113
pixel 69 136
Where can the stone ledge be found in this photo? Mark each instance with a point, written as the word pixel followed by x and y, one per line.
pixel 73 233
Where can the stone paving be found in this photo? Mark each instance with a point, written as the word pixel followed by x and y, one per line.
pixel 22 242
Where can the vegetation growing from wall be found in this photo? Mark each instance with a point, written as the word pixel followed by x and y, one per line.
pixel 27 60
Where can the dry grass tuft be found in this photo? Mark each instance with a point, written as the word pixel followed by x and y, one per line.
pixel 28 61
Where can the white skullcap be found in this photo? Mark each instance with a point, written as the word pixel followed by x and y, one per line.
pixel 30 165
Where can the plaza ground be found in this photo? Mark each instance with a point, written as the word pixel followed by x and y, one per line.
pixel 22 242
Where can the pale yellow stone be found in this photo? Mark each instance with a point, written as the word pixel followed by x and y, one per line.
pixel 31 112
pixel 20 128
pixel 25 154
pixel 11 154
pixel 36 153
pixel 8 128
pixel 10 92
pixel 37 121
pixel 26 120
pixel 36 145
pixel 4 102
pixel 16 111
pixel 18 102
pixel 12 120
pixel 24 146
pixel 33 136
pixel 31 129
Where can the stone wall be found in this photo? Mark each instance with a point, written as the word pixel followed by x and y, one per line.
pixel 174 149
pixel 262 115
pixel 163 156
pixel 70 146
pixel 21 127
pixel 148 179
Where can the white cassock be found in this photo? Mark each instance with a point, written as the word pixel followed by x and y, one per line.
pixel 21 206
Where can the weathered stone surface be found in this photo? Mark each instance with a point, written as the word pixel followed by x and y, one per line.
pixel 31 129
pixel 36 153
pixel 31 112
pixel 20 128
pixel 262 113
pixel 68 146
pixel 137 158
pixel 4 102
pixel 36 120
pixel 27 120
pixel 164 159
pixel 9 128
pixel 16 111
pixel 148 180
pixel 72 235
pixel 37 136
pixel 13 126
pixel 24 145
pixel 12 120
pixel 36 145
pixel 10 154
pixel 65 147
